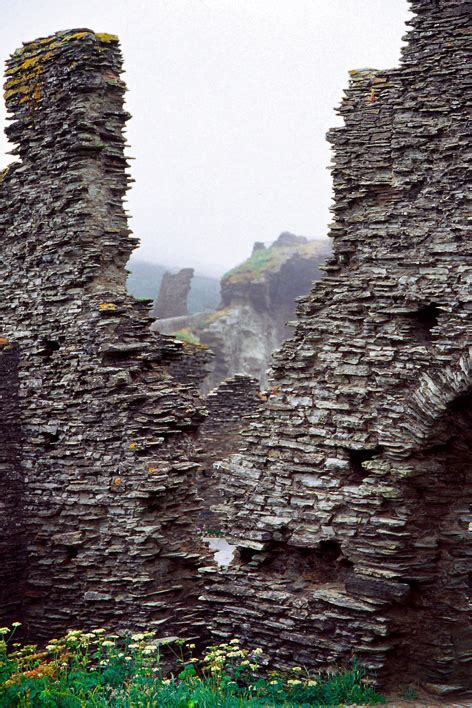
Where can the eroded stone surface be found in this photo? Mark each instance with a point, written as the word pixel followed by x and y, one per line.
pixel 351 505
pixel 97 438
pixel 173 294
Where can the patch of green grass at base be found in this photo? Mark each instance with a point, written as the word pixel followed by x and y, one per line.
pixel 96 669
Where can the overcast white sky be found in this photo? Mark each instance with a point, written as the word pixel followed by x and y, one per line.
pixel 231 100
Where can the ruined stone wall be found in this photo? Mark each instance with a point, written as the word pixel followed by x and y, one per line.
pixel 105 470
pixel 351 505
pixel 12 556
pixel 187 362
pixel 230 408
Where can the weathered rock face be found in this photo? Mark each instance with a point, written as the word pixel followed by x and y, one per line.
pixel 351 505
pixel 173 294
pixel 258 299
pixel 96 471
pixel 242 340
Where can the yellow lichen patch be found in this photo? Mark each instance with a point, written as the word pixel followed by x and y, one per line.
pixel 30 90
pixel 3 174
pixel 107 38
pixel 26 78
pixel 39 43
pixel 76 35
pixel 33 62
pixel 24 88
pixel 11 83
pixel 360 74
pixel 107 306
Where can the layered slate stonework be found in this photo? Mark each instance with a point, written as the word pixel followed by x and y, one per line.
pixel 12 556
pixel 230 406
pixel 96 466
pixel 351 506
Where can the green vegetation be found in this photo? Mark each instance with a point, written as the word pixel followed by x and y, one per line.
pixel 185 335
pixel 268 260
pixel 92 668
pixel 213 533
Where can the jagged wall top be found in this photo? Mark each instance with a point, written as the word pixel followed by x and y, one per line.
pixel 351 502
pixel 53 73
pixel 65 97
pixel 97 439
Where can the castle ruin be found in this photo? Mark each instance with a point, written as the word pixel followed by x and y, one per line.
pixel 98 454
pixel 350 505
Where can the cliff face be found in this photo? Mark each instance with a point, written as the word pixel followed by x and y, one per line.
pixel 96 465
pixel 258 299
pixel 351 504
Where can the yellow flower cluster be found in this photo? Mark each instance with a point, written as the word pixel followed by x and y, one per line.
pixel 229 656
pixel 222 665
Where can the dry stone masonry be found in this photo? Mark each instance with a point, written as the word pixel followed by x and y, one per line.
pixel 230 407
pixel 351 506
pixel 12 556
pixel 97 486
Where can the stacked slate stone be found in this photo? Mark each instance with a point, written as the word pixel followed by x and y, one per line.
pixel 11 487
pixel 351 506
pixel 188 362
pixel 108 496
pixel 230 407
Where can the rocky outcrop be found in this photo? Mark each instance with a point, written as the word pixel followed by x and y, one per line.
pixel 258 299
pixel 97 470
pixel 173 294
pixel 351 504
